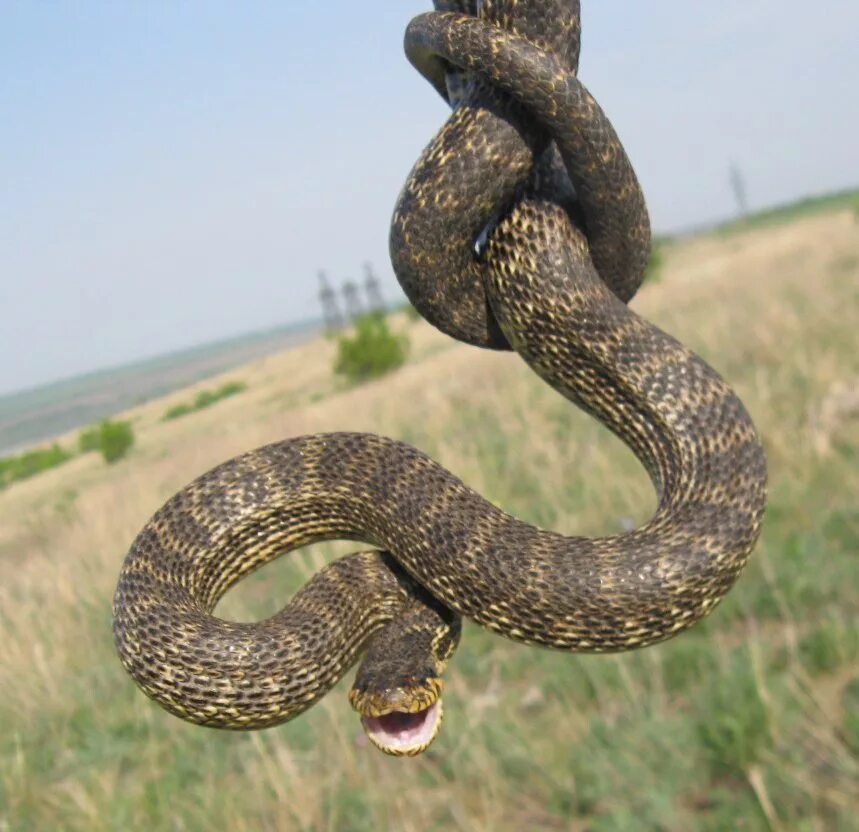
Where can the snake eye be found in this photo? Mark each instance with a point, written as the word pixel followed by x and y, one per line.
pixel 404 734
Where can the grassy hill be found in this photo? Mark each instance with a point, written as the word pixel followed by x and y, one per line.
pixel 31 416
pixel 747 722
pixel 809 206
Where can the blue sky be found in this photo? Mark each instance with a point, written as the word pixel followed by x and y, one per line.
pixel 172 173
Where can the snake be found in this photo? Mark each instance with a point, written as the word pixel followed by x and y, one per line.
pixel 521 227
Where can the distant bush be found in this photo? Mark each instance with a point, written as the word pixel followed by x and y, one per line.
pixel 30 463
pixel 116 440
pixel 178 411
pixel 205 398
pixel 90 439
pixel 373 350
pixel 112 439
pixel 653 273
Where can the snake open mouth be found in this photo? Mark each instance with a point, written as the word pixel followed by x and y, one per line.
pixel 404 734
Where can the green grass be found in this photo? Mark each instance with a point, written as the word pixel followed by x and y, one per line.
pixel 204 399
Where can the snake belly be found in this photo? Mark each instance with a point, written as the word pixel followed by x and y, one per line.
pixel 545 295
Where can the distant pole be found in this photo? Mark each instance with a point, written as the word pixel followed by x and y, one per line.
pixel 352 298
pixel 330 308
pixel 738 186
pixel 375 303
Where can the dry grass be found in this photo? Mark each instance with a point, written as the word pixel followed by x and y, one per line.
pixel 746 722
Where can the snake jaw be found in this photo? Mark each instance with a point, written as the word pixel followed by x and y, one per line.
pixel 401 721
pixel 402 733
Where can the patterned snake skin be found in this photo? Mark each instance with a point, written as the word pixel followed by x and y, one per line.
pixel 529 167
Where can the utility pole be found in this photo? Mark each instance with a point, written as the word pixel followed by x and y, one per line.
pixel 330 308
pixel 375 303
pixel 354 308
pixel 738 186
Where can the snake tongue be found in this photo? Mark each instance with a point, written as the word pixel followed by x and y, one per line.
pixel 404 734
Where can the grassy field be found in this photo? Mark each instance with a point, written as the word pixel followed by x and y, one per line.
pixel 750 721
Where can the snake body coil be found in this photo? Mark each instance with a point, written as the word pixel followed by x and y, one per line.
pixel 566 242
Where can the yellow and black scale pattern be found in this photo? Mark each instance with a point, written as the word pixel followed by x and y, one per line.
pixel 529 161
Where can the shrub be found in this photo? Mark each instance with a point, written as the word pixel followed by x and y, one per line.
pixel 90 439
pixel 653 274
pixel 373 350
pixel 30 463
pixel 112 439
pixel 116 440
pixel 205 398
pixel 177 411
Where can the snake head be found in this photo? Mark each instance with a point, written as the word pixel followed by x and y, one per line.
pixel 397 690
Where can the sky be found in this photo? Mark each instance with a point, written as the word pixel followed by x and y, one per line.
pixel 176 173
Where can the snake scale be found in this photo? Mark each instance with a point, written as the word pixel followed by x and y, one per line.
pixel 522 227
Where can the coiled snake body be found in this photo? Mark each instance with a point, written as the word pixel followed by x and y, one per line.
pixel 529 161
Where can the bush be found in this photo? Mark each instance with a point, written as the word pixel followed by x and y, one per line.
pixel 116 440
pixel 205 398
pixel 653 274
pixel 373 350
pixel 177 411
pixel 28 464
pixel 112 439
pixel 90 439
